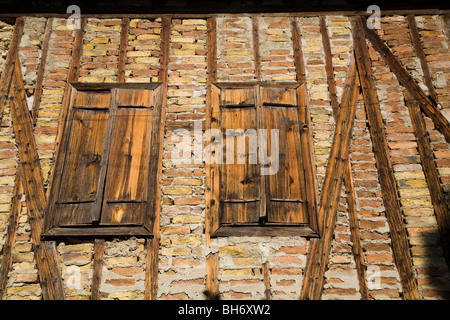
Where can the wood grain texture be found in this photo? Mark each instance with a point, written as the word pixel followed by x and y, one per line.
pixel 99 249
pixel 41 70
pixel 428 106
pixel 7 76
pixel 298 52
pixel 431 172
pixel 256 49
pixel 212 276
pixel 123 49
pixel 266 279
pixel 388 184
pixel 47 260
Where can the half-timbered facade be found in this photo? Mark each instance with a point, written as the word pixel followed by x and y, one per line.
pixel 289 155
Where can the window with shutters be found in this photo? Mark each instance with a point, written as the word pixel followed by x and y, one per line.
pixel 105 176
pixel 260 161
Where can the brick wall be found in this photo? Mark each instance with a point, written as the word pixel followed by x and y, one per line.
pixel 183 250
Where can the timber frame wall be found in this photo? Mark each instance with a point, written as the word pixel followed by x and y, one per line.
pixel 378 101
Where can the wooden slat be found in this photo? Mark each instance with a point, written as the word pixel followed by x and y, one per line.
pixel 417 44
pixel 399 238
pixel 8 247
pixel 41 70
pixel 329 65
pixel 431 174
pixel 446 23
pixel 256 49
pixel 151 275
pixel 298 52
pixel 320 249
pixel 427 105
pixel 212 276
pixel 211 77
pixel 47 260
pixel 266 278
pixel 123 50
pixel 99 248
pixel 8 70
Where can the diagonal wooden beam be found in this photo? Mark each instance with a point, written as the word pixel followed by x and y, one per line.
pixel 348 177
pixel 8 247
pixel 320 248
pixel 431 174
pixel 41 70
pixel 417 44
pixel 47 259
pixel 426 104
pixel 399 239
pixel 8 71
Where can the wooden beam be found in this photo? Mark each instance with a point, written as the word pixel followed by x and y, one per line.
pixel 256 49
pixel 211 77
pixel 99 248
pixel 298 52
pixel 212 276
pixel 427 105
pixel 10 240
pixel 266 278
pixel 47 259
pixel 8 71
pixel 329 65
pixel 417 45
pixel 41 70
pixel 123 50
pixel 431 174
pixel 151 273
pixel 348 177
pixel 320 248
pixel 399 238
pixel 446 25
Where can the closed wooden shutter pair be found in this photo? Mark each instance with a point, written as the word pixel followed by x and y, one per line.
pixel 262 179
pixel 105 175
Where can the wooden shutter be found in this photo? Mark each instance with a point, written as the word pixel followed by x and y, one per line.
pixel 81 185
pixel 127 180
pixel 286 188
pixel 239 176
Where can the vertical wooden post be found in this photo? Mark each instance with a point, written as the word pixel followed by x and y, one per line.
pixel 99 248
pixel 123 50
pixel 266 277
pixel 212 276
pixel 256 49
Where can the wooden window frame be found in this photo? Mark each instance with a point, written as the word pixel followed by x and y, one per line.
pixel 51 229
pixel 214 227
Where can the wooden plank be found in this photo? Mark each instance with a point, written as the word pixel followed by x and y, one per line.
pixel 446 25
pixel 266 278
pixel 272 230
pixel 212 276
pixel 256 49
pixel 211 77
pixel 41 70
pixel 431 174
pixel 47 260
pixel 8 247
pixel 8 70
pixel 298 52
pixel 427 105
pixel 151 275
pixel 123 50
pixel 331 190
pixel 99 249
pixel 388 184
pixel 417 44
pixel 329 65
